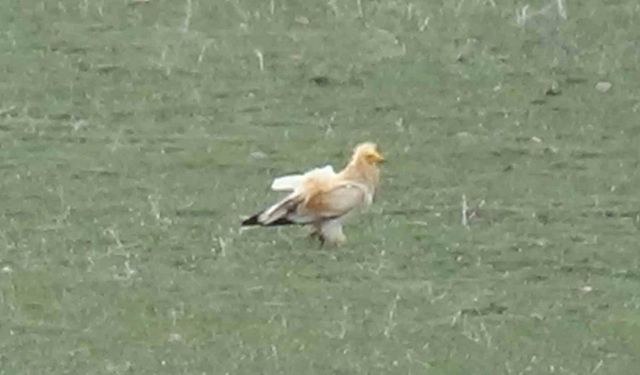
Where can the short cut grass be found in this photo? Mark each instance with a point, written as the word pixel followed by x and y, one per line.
pixel 135 134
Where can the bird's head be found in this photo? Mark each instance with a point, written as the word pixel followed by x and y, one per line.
pixel 368 153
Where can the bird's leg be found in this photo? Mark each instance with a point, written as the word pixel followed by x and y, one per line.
pixel 331 231
pixel 315 232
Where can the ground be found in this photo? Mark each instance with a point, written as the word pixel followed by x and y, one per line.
pixel 135 135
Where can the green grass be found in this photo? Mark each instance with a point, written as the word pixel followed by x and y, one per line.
pixel 134 138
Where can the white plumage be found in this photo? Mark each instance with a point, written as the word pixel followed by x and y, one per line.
pixel 291 182
pixel 321 198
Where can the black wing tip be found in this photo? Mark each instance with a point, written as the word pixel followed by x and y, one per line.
pixel 253 220
pixel 281 221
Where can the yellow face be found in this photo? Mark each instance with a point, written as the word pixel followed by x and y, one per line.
pixel 370 153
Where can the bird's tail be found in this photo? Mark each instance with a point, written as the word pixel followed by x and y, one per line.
pixel 287 183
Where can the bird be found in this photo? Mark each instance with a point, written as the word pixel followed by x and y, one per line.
pixel 321 198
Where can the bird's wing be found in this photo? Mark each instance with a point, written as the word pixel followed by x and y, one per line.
pixel 288 210
pixel 335 201
pixel 280 213
pixel 313 204
pixel 294 181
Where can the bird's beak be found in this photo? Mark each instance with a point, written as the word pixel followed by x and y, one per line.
pixel 377 157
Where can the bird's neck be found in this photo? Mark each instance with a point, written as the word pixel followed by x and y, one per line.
pixel 361 172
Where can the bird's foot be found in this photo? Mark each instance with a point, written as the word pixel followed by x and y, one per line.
pixel 316 235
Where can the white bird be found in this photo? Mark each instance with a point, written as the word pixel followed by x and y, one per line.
pixel 321 198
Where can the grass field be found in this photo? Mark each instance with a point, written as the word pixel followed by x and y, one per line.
pixel 135 135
